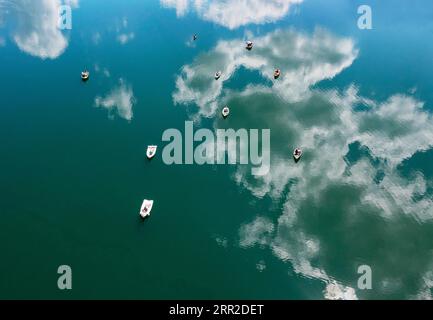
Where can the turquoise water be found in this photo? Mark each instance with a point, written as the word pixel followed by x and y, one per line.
pixel 73 173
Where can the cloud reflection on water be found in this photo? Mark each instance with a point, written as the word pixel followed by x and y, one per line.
pixel 34 26
pixel 234 13
pixel 363 210
pixel 304 62
pixel 120 100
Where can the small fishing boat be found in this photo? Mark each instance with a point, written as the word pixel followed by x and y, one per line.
pixel 85 75
pixel 225 112
pixel 249 45
pixel 218 75
pixel 146 207
pixel 194 37
pixel 297 154
pixel 151 151
pixel 277 73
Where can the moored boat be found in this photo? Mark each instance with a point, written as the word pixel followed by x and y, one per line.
pixel 225 112
pixel 85 75
pixel 151 151
pixel 146 208
pixel 297 154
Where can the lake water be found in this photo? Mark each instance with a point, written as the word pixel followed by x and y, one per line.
pixel 73 170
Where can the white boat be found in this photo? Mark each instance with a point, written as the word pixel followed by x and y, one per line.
pixel 225 112
pixel 249 45
pixel 277 73
pixel 85 75
pixel 146 207
pixel 151 151
pixel 297 154
pixel 218 75
pixel 194 37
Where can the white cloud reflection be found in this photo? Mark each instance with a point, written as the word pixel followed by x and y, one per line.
pixel 121 100
pixel 234 13
pixel 35 26
pixel 123 36
pixel 325 188
pixel 304 61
